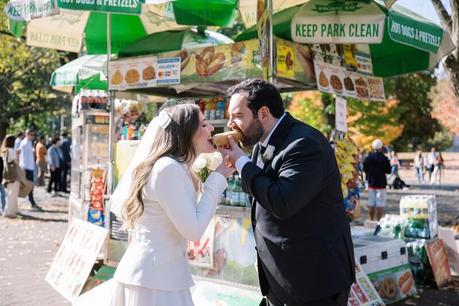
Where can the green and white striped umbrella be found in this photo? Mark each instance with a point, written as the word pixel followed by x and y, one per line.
pixel 75 29
pixel 83 67
pixel 400 40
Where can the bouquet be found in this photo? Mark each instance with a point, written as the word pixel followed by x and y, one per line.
pixel 206 163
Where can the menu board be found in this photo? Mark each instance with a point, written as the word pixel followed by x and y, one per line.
pixel 75 258
pixel 201 253
pixel 338 80
pixel 352 57
pixel 363 293
pixel 439 261
pixel 144 72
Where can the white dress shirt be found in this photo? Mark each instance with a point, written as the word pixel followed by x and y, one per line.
pixel 240 163
pixel 26 157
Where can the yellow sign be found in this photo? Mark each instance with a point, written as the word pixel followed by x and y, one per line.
pixel 285 61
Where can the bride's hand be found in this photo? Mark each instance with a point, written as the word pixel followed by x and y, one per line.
pixel 225 169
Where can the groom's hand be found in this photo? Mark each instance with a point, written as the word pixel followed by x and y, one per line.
pixel 232 152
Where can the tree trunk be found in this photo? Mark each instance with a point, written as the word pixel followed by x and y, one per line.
pixel 3 128
pixel 451 24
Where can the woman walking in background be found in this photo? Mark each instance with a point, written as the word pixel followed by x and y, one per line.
pixel 12 185
pixel 419 167
pixel 438 167
pixel 394 164
pixel 54 162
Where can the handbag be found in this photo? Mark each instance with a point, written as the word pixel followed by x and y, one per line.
pixel 25 186
pixel 10 170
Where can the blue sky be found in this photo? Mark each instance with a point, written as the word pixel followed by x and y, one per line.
pixel 424 8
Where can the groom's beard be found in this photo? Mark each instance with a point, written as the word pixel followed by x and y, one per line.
pixel 252 134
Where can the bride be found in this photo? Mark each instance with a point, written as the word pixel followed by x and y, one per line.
pixel 165 205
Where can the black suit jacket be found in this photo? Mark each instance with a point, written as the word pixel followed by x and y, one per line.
pixel 300 226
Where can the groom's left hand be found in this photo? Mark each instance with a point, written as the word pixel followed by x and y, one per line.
pixel 232 152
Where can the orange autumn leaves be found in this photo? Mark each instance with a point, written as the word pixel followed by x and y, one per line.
pixel 366 120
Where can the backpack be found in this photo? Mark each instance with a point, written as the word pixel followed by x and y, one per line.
pixel 10 170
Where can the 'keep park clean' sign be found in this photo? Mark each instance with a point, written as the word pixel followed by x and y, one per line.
pixel 338 22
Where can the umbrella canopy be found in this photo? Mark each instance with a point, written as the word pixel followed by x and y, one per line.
pixel 78 30
pixel 81 68
pixel 392 53
pixel 172 41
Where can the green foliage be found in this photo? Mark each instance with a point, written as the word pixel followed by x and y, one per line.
pixel 415 108
pixel 25 96
pixel 307 107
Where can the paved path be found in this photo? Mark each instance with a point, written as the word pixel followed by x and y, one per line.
pixel 27 247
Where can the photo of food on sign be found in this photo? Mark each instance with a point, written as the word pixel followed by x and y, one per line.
pixel 352 57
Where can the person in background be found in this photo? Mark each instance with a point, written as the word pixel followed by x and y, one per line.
pixel 431 160
pixel 66 161
pixel 9 156
pixel 41 151
pixel 438 166
pixel 27 162
pixel 419 167
pixel 376 166
pixel 18 140
pixel 2 189
pixel 54 161
pixel 394 164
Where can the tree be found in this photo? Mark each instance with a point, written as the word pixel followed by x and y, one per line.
pixel 445 106
pixel 369 120
pixel 415 108
pixel 307 107
pixel 25 95
pixel 450 22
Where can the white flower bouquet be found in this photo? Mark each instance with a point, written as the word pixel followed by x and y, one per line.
pixel 206 163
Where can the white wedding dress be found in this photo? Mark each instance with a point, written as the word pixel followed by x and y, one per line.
pixel 154 270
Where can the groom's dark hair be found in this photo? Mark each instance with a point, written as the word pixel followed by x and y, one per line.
pixel 260 93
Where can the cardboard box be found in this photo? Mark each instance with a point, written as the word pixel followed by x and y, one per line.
pixel 394 284
pixel 452 248
pixel 376 253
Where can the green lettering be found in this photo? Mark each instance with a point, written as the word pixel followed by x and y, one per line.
pixel 323 28
pixel 351 30
pixel 298 30
pixel 330 30
pixel 375 29
pixel 342 31
pixel 335 30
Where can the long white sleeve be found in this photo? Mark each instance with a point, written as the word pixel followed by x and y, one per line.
pixel 175 193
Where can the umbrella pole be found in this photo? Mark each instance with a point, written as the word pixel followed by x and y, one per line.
pixel 272 63
pixel 111 103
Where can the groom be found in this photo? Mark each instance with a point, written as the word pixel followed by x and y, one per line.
pixel 304 246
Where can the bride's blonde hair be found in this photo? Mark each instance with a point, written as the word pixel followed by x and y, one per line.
pixel 176 141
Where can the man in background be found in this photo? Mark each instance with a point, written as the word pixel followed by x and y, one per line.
pixel 41 151
pixel 27 162
pixel 66 161
pixel 376 165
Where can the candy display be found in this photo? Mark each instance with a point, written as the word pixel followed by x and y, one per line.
pixel 346 153
pixel 96 192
